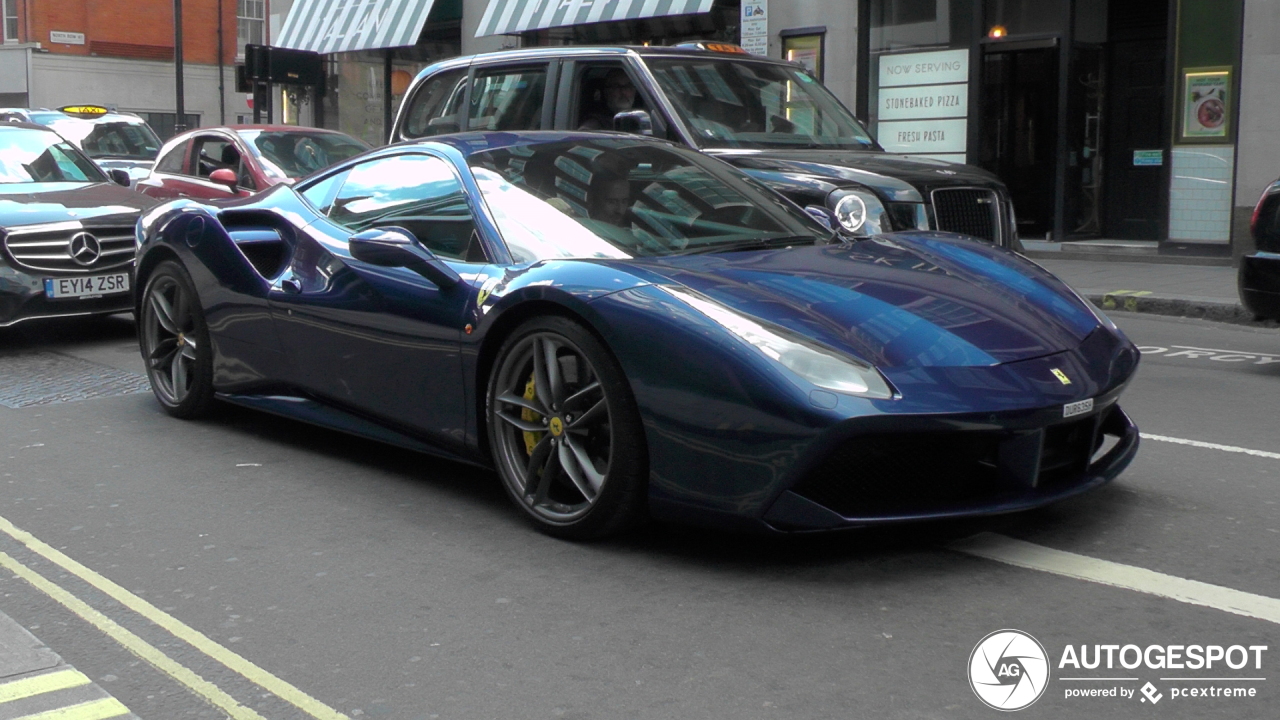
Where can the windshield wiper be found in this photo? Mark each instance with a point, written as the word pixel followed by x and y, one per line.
pixel 752 244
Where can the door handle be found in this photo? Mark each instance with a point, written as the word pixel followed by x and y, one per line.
pixel 291 286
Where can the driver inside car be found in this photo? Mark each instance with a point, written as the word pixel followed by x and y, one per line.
pixel 616 95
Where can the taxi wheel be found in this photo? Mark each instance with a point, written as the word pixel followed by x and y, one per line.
pixel 175 343
pixel 565 432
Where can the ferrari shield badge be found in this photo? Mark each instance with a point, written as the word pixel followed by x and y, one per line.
pixel 1062 377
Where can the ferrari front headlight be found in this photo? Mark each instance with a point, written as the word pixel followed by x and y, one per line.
pixel 817 365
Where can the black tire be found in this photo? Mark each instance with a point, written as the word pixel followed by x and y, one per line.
pixel 578 466
pixel 174 341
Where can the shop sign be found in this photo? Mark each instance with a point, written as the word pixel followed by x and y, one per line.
pixel 927 101
pixel 1148 158
pixel 926 68
pixel 924 136
pixel 755 26
pixel 66 38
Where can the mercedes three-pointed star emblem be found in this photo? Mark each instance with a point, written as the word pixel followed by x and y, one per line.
pixel 84 248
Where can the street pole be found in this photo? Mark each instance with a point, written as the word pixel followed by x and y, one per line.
pixel 180 124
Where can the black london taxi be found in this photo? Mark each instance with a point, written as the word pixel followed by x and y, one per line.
pixel 66 229
pixel 770 118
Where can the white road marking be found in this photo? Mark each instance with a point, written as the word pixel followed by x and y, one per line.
pixel 1211 446
pixel 1195 353
pixel 1058 562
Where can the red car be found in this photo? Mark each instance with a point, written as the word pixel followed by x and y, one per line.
pixel 239 160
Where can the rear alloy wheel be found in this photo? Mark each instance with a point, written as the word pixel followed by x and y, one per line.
pixel 175 343
pixel 565 433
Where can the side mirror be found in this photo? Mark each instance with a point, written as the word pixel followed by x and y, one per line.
pixel 223 176
pixel 636 122
pixel 120 177
pixel 396 247
pixel 824 216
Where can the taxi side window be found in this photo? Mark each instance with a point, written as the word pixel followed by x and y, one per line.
pixel 434 108
pixel 507 99
pixel 171 162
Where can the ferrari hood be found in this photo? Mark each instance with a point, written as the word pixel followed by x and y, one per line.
pixel 919 300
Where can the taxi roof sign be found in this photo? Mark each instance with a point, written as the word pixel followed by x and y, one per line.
pixel 721 47
pixel 85 110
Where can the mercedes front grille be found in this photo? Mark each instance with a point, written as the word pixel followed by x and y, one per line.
pixel 69 247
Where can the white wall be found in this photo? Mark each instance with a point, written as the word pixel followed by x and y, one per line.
pixel 1258 161
pixel 472 12
pixel 135 85
pixel 841 49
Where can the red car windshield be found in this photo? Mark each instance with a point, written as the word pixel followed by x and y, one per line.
pixel 291 154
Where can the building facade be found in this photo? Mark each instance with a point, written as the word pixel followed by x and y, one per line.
pixel 121 54
pixel 1136 120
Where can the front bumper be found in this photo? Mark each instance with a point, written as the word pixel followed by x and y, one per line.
pixel 875 478
pixel 1259 284
pixel 22 297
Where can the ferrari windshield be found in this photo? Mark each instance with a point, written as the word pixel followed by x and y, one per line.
pixel 28 155
pixel 734 103
pixel 292 154
pixel 620 197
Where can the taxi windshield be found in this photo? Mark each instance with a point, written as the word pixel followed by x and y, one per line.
pixel 735 103
pixel 623 198
pixel 39 156
pixel 108 138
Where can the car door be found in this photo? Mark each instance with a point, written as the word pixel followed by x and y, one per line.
pixel 165 177
pixel 382 341
pixel 210 152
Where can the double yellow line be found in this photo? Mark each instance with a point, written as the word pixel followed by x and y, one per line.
pixel 144 650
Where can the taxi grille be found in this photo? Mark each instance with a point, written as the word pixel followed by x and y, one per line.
pixel 968 211
pixel 48 248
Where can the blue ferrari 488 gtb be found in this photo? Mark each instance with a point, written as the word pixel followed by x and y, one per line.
pixel 623 329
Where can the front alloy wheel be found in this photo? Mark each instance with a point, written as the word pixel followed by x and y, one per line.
pixel 175 343
pixel 565 433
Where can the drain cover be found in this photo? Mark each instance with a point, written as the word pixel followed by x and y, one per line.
pixel 49 378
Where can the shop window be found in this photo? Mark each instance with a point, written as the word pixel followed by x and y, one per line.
pixel 11 20
pixel 508 99
pixel 250 22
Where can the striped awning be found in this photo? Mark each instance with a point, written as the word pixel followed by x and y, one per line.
pixel 516 16
pixel 329 26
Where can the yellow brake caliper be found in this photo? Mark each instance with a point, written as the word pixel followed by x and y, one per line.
pixel 530 438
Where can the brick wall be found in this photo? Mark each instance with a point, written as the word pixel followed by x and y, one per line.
pixel 141 29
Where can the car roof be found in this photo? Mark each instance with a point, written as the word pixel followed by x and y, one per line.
pixel 26 126
pixel 562 51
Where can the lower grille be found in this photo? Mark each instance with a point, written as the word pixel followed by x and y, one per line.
pixel 68 248
pixel 923 473
pixel 968 211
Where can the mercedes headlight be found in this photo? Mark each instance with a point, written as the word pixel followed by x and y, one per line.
pixel 816 364
pixel 859 212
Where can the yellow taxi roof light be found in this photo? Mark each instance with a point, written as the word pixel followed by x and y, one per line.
pixel 721 47
pixel 84 110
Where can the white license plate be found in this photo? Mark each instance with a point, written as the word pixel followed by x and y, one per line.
pixel 86 287
pixel 1077 408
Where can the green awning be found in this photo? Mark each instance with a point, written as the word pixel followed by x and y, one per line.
pixel 330 26
pixel 502 17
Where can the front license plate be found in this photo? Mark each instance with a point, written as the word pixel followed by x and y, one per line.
pixel 1077 408
pixel 86 287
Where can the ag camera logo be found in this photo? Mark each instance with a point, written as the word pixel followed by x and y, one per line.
pixel 1008 670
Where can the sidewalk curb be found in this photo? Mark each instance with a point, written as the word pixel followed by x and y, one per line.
pixel 1205 309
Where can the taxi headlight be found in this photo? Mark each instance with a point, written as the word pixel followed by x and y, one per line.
pixel 859 212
